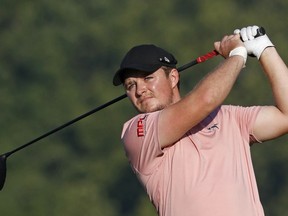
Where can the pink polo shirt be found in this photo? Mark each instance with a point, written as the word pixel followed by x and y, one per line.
pixel 208 172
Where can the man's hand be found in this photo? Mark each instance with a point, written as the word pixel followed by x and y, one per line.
pixel 254 45
pixel 231 45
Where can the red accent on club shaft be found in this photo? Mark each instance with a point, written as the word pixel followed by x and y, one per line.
pixel 207 56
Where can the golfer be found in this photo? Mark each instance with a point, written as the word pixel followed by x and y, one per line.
pixel 192 154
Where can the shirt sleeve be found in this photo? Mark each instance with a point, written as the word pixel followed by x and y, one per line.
pixel 141 143
pixel 246 117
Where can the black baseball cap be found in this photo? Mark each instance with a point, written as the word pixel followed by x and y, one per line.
pixel 147 58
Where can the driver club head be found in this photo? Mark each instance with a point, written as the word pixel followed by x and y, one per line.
pixel 2 170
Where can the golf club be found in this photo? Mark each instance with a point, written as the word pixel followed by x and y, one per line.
pixel 3 157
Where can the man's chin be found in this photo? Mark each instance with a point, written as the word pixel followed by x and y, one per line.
pixel 150 109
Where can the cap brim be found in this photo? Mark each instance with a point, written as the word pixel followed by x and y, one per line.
pixel 117 79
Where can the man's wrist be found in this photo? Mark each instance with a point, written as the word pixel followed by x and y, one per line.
pixel 239 51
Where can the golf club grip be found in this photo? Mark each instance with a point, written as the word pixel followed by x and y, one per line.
pixel 260 32
pixel 198 60
pixel 207 56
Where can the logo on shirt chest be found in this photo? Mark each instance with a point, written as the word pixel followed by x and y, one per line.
pixel 140 127
pixel 213 127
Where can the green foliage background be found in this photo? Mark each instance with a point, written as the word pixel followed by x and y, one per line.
pixel 57 60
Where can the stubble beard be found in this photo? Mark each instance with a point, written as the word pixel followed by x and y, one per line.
pixel 157 107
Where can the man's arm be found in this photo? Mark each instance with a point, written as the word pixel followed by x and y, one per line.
pixel 178 118
pixel 272 121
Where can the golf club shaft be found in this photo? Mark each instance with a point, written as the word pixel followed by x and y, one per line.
pixel 184 67
pixel 67 124
pixel 3 157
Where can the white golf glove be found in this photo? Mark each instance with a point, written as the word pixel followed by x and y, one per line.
pixel 254 45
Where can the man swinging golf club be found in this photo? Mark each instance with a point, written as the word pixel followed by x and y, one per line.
pixel 192 154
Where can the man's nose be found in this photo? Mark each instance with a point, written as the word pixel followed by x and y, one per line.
pixel 141 87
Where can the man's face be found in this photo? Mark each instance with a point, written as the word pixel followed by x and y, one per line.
pixel 149 93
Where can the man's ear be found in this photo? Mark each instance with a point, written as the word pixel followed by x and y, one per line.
pixel 174 77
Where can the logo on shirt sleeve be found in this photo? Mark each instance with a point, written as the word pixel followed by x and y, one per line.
pixel 140 127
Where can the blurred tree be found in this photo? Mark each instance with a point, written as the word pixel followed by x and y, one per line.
pixel 57 59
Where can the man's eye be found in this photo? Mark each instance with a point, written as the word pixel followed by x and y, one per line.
pixel 148 77
pixel 130 86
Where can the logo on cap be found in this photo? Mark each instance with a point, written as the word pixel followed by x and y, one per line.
pixel 164 59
